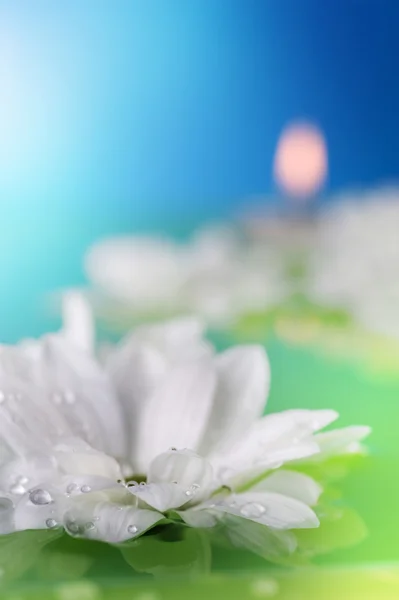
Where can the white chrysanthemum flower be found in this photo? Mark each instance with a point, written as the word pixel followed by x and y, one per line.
pixel 214 276
pixel 164 409
pixel 356 263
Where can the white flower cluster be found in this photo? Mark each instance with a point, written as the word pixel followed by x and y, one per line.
pixel 215 275
pixel 165 430
pixel 355 265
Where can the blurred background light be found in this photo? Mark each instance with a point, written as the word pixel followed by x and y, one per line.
pixel 300 162
pixel 158 114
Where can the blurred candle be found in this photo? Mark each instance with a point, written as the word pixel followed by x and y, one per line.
pixel 300 162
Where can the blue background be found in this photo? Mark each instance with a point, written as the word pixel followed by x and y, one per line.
pixel 159 114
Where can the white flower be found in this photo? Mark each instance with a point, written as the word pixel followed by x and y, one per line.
pixel 214 275
pixel 356 262
pixel 166 409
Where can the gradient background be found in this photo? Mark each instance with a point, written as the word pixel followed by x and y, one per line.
pixel 137 115
pixel 157 114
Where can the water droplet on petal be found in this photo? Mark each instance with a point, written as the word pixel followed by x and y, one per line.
pixel 51 523
pixel 132 529
pixel 253 510
pixel 85 489
pixel 89 526
pixel 40 497
pixel 195 487
pixel 71 487
pixel 142 483
pixel 72 527
pixel 188 493
pixel 132 484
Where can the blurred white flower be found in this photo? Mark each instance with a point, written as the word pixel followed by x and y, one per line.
pixel 214 275
pixel 166 410
pixel 356 262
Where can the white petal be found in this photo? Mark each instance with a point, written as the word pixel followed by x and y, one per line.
pixel 88 401
pixel 175 415
pixel 178 339
pixel 197 517
pixel 6 516
pixel 19 475
pixel 268 508
pixel 146 272
pixel 341 441
pixel 135 372
pixel 162 496
pixel 272 441
pixel 241 393
pixel 264 541
pixel 112 521
pixel 292 484
pixel 61 493
pixel 48 515
pixel 51 389
pixel 78 325
pixel 29 424
pixel 85 461
pixel 184 467
pixel 139 364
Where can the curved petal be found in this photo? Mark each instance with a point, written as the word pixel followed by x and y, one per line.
pixel 144 359
pixel 341 441
pixel 78 324
pixel 292 484
pixel 184 467
pixel 197 517
pixel 175 415
pixel 269 543
pixel 81 459
pixel 268 508
pixel 241 393
pixel 84 395
pixel 162 496
pixel 45 505
pixel 52 389
pixel 112 521
pixel 274 440
pixel 19 475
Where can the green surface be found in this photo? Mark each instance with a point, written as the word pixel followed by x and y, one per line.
pixel 367 566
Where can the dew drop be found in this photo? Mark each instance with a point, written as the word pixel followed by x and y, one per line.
pixel 40 497
pixel 132 484
pixel 85 489
pixel 142 484
pixel 51 523
pixel 132 529
pixel 71 487
pixel 89 526
pixel 253 510
pixel 195 487
pixel 188 493
pixel 5 504
pixel 72 527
